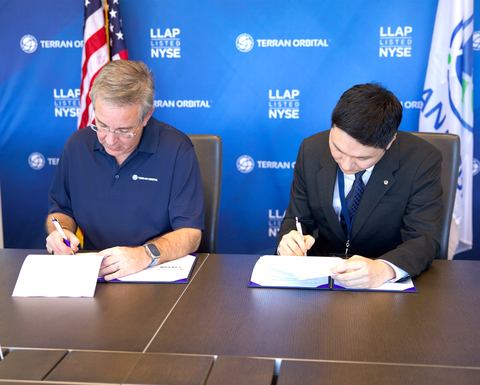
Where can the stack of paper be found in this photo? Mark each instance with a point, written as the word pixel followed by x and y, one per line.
pixel 58 276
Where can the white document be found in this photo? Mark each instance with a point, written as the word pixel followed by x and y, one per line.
pixel 58 275
pixel 171 271
pixel 291 271
pixel 388 286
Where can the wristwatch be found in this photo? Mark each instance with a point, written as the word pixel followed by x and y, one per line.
pixel 153 252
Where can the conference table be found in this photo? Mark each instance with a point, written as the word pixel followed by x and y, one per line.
pixel 216 330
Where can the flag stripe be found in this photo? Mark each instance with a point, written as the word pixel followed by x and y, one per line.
pixel 94 22
pixel 123 55
pixel 92 47
pixel 95 52
pixel 88 112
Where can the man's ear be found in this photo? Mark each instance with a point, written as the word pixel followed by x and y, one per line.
pixel 147 118
pixel 389 144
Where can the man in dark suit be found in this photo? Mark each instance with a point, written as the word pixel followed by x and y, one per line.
pixel 365 189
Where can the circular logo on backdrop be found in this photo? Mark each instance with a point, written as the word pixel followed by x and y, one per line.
pixel 28 44
pixel 476 166
pixel 36 161
pixel 245 164
pixel 476 40
pixel 244 42
pixel 460 73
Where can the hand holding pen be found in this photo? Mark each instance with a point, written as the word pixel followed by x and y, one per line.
pixel 295 243
pixel 62 233
pixel 299 229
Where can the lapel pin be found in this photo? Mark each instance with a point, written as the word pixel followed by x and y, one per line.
pixel 385 182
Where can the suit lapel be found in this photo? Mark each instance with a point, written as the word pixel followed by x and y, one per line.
pixel 326 179
pixel 380 182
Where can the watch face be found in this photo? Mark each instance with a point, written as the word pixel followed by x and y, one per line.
pixel 153 249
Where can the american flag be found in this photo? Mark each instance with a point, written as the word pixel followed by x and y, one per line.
pixel 96 53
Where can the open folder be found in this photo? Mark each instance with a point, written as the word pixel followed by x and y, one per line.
pixel 274 271
pixel 176 271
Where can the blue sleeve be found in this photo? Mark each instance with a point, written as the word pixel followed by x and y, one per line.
pixel 186 207
pixel 59 200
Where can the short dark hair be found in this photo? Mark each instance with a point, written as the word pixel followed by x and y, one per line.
pixel 369 113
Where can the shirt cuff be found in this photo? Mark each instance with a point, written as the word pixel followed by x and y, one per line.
pixel 399 273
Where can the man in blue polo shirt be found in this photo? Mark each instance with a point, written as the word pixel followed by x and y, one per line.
pixel 131 183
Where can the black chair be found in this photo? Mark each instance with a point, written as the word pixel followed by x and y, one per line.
pixel 1 221
pixel 209 153
pixel 449 146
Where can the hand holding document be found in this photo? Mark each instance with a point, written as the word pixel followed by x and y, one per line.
pixel 407 285
pixel 291 271
pixel 308 273
pixel 58 275
pixel 177 270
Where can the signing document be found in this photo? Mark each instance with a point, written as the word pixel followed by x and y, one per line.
pixel 291 271
pixel 308 273
pixel 176 271
pixel 58 275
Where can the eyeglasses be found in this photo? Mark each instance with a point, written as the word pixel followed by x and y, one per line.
pixel 104 130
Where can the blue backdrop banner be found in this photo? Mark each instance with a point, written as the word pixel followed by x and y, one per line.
pixel 261 74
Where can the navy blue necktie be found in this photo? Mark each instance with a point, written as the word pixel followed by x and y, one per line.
pixel 355 194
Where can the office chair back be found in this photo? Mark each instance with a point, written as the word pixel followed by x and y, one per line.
pixel 449 146
pixel 209 153
pixel 1 221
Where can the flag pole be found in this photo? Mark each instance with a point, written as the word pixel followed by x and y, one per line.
pixel 106 28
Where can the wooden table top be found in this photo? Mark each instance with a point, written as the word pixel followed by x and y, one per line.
pixel 222 328
pixel 120 317
pixel 220 315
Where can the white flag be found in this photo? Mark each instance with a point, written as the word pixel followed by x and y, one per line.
pixel 448 100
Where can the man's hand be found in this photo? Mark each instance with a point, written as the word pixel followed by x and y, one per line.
pixel 121 261
pixel 56 244
pixel 362 273
pixel 294 243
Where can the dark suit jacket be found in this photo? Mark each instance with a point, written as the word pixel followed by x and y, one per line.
pixel 398 215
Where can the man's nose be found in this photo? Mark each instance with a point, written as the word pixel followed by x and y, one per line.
pixel 347 164
pixel 110 137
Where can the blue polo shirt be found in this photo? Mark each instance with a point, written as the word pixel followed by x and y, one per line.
pixel 157 189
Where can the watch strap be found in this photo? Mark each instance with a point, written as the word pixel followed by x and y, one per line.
pixel 154 257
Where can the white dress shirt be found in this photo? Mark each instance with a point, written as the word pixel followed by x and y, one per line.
pixel 337 206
